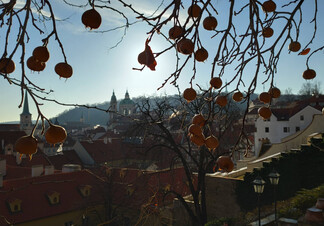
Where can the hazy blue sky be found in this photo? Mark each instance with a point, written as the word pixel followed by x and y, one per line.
pixel 98 69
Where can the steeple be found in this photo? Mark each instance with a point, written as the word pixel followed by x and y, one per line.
pixel 127 95
pixel 113 98
pixel 26 107
pixel 25 117
pixel 113 108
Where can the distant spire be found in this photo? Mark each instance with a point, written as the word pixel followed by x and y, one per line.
pixel 56 122
pixel 26 107
pixel 126 94
pixel 113 97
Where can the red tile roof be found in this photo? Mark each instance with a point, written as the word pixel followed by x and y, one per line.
pixel 101 152
pixel 38 159
pixel 148 186
pixel 32 192
pixel 9 127
pixel 23 170
pixel 9 137
pixel 67 156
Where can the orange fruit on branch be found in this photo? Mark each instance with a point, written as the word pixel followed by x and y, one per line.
pixel 195 130
pixel 26 145
pixel 194 10
pixel 274 92
pixel 201 54
pixel 265 97
pixel 237 96
pixel 264 112
pixel 199 120
pixel 142 58
pixel 267 32
pixel 269 6
pixel 55 134
pixel 175 32
pixel 211 142
pixel 210 23
pixel 309 74
pixel 225 163
pixel 63 70
pixel 35 65
pixel 189 94
pixel 41 54
pixel 294 46
pixel 186 46
pixel 91 18
pixel 221 101
pixel 197 140
pixel 216 82
pixel 7 66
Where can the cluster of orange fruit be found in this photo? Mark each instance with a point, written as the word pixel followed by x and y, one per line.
pixel 185 45
pixel 266 97
pixel 37 62
pixel 28 144
pixel 267 32
pixel 195 131
pixel 190 94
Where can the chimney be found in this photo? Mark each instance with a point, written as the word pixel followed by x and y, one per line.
pixel 3 168
pixel 2 144
pixel 37 170
pixel 105 140
pixel 1 180
pixel 68 168
pixel 49 170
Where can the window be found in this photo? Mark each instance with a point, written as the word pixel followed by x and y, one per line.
pixel 53 197
pixel 297 128
pixel 301 118
pixel 267 129
pixel 14 205
pixel 286 129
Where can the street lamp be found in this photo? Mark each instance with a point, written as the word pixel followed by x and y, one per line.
pixel 274 180
pixel 258 185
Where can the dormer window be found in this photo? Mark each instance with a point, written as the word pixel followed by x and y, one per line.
pixel 122 173
pixel 85 190
pixel 53 197
pixel 130 190
pixel 14 205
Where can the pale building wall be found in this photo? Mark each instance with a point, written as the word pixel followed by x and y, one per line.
pixel 316 126
pixel 276 128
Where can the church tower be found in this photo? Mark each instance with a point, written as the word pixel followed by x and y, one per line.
pixel 113 108
pixel 127 106
pixel 25 117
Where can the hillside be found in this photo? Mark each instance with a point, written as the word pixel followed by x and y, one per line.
pixel 95 117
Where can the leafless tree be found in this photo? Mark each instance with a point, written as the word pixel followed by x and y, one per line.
pixel 164 124
pixel 240 39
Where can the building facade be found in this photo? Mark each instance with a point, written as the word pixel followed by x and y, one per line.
pixel 282 123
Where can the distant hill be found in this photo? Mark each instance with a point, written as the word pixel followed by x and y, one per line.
pixel 90 116
pixel 95 117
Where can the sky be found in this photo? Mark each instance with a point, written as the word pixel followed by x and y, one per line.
pixel 99 69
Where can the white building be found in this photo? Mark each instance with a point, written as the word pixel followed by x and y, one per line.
pixel 282 123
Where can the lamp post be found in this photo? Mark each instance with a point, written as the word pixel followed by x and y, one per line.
pixel 274 180
pixel 258 185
